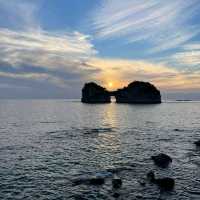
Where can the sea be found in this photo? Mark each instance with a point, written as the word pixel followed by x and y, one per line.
pixel 50 148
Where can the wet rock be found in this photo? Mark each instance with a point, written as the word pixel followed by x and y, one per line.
pixel 89 181
pixel 96 180
pixel 197 143
pixel 116 182
pixel 93 93
pixel 138 92
pixel 164 183
pixel 162 160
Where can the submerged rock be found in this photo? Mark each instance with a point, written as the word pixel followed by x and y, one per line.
pixel 116 182
pixel 163 183
pixel 162 160
pixel 138 92
pixel 93 93
pixel 95 180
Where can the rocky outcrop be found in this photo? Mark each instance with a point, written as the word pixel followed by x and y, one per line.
pixel 162 160
pixel 93 93
pixel 116 182
pixel 164 183
pixel 138 92
pixel 89 181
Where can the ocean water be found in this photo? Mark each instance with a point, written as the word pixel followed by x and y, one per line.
pixel 47 144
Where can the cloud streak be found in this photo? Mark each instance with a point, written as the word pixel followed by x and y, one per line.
pixel 187 58
pixel 43 48
pixel 161 24
pixel 20 14
pixel 59 59
pixel 122 71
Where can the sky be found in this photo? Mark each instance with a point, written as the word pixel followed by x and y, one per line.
pixel 50 48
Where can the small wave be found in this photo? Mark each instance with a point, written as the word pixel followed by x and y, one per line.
pixel 165 139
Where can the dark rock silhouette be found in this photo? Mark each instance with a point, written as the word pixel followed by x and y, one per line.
pixel 162 160
pixel 163 183
pixel 197 143
pixel 116 182
pixel 138 92
pixel 93 93
pixel 96 180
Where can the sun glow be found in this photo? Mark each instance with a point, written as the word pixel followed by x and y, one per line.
pixel 110 84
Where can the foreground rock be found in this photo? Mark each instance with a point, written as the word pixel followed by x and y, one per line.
pixel 138 92
pixel 163 183
pixel 162 160
pixel 197 143
pixel 93 93
pixel 116 182
pixel 89 181
pixel 96 181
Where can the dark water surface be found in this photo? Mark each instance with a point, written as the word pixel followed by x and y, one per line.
pixel 46 144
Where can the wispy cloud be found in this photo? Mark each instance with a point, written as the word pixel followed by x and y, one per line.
pixel 20 14
pixel 161 24
pixel 187 58
pixel 44 48
pixel 31 56
pixel 122 71
pixel 58 55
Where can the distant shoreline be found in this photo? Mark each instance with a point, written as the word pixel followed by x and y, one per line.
pixel 79 100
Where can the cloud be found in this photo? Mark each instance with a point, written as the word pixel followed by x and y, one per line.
pixel 41 48
pixel 122 71
pixel 35 62
pixel 31 56
pixel 160 24
pixel 187 58
pixel 20 14
pixel 55 58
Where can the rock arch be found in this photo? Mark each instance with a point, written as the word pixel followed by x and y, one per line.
pixel 137 92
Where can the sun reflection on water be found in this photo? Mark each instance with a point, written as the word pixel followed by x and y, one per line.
pixel 109 143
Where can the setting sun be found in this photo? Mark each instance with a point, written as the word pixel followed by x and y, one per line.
pixel 110 84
